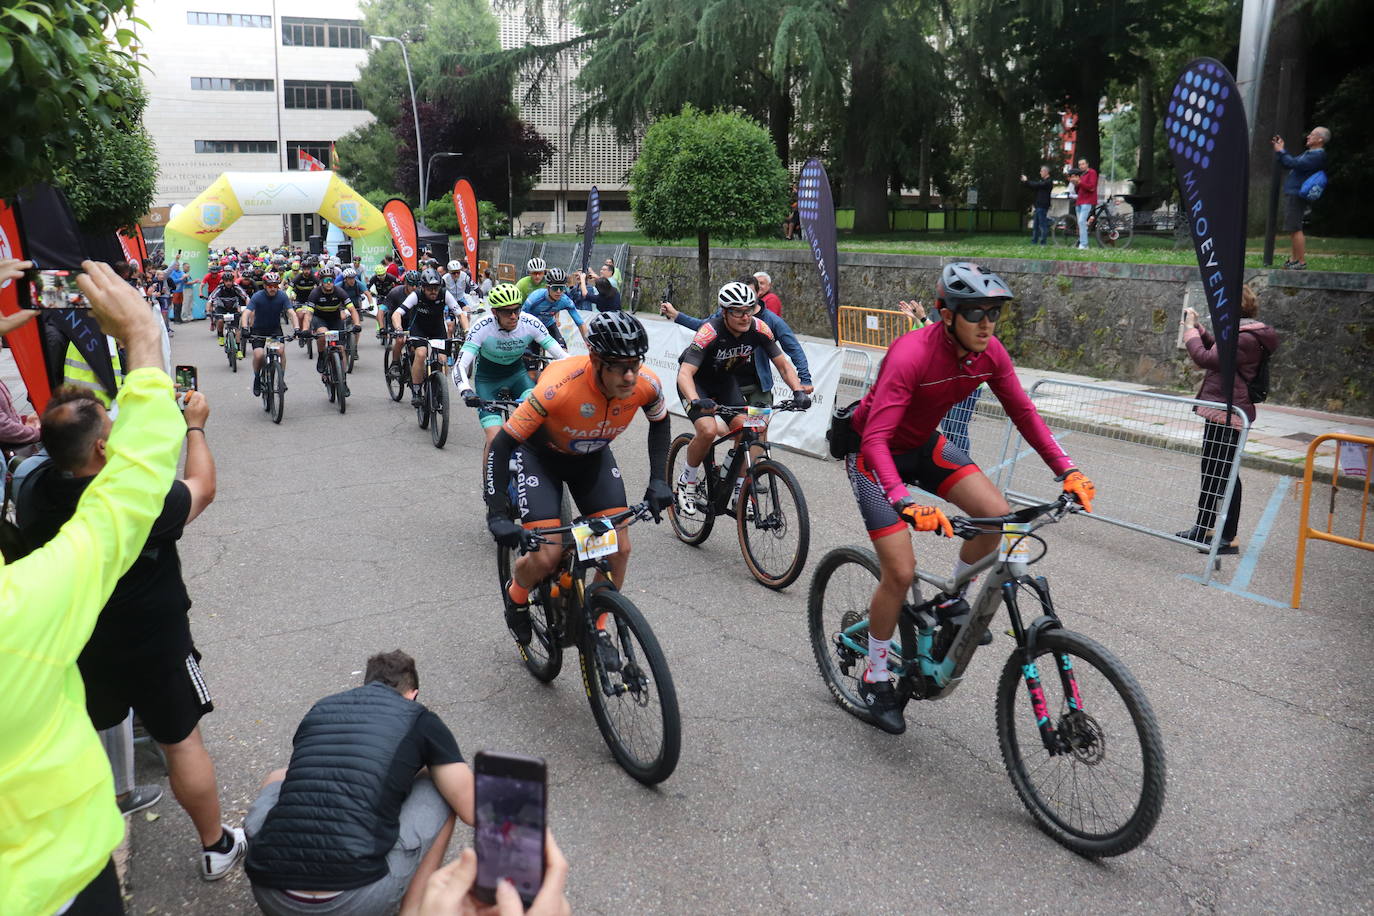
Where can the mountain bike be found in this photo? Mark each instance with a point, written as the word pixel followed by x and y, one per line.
pixel 397 371
pixel 1086 758
pixel 433 411
pixel 335 359
pixel 762 494
pixel 1113 226
pixel 271 378
pixel 351 348
pixel 232 345
pixel 624 672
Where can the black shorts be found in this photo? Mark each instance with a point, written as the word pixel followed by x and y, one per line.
pixel 934 467
pixel 539 475
pixel 327 321
pixel 1294 209
pixel 257 337
pixel 167 692
pixel 726 390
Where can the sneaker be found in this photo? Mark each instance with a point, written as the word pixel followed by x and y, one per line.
pixel 220 341
pixel 139 798
pixel 215 865
pixel 416 400
pixel 687 495
pixel 881 700
pixel 1298 265
pixel 517 617
pixel 257 387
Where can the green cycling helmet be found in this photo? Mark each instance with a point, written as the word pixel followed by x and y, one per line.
pixel 505 296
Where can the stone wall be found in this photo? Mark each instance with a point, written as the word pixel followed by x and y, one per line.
pixel 1103 319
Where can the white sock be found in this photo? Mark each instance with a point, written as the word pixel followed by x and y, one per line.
pixel 877 659
pixel 690 472
pixel 959 567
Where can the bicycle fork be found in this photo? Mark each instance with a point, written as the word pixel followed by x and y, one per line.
pixel 1054 742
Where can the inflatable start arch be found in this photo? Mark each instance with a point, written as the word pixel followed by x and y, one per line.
pixel 235 194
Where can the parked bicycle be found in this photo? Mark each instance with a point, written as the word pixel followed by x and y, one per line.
pixel 1087 761
pixel 271 378
pixel 1110 222
pixel 624 672
pixel 636 286
pixel 761 493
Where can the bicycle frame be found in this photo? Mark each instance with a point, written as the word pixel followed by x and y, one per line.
pixel 741 462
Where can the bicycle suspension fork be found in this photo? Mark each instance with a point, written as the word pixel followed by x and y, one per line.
pixel 1030 671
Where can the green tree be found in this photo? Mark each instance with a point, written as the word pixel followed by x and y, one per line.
pixel 440 216
pixel 707 174
pixel 62 64
pixel 110 177
pixel 367 158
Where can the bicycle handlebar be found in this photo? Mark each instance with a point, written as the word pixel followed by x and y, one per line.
pixel 969 528
pixel 600 524
pixel 730 410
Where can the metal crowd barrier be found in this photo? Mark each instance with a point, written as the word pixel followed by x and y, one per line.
pixel 856 374
pixel 1305 529
pixel 1128 442
pixel 869 327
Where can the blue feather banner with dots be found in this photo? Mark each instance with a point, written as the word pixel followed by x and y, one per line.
pixel 816 207
pixel 1209 144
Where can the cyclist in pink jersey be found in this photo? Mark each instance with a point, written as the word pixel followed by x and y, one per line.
pixel 924 374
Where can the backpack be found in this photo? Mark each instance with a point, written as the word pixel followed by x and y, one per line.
pixel 13 544
pixel 1257 387
pixel 1313 186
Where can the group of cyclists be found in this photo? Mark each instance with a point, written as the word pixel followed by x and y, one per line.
pixel 569 413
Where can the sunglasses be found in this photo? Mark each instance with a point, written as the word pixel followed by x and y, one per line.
pixel 975 315
pixel 558 289
pixel 737 312
pixel 622 367
pixel 506 312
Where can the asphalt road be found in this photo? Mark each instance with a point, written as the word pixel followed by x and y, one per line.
pixel 334 537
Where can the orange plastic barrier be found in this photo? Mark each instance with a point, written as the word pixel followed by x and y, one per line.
pixel 505 273
pixel 1305 530
pixel 866 327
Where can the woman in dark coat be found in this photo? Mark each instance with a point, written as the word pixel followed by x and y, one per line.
pixel 1221 431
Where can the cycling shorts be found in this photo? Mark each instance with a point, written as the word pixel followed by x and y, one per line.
pixel 489 380
pixel 538 476
pixel 934 467
pixel 326 321
pixel 257 337
pixel 727 390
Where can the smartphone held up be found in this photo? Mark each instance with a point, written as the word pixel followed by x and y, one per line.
pixel 56 289
pixel 186 381
pixel 511 798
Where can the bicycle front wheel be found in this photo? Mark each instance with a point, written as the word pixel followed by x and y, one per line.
pixel 690 529
pixel 439 404
pixel 635 704
pixel 336 372
pixel 395 379
pixel 1101 791
pixel 773 525
pixel 1115 230
pixel 277 392
pixel 231 350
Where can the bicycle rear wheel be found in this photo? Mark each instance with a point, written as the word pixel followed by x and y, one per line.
pixel 394 372
pixel 277 392
pixel 231 349
pixel 1115 230
pixel 1102 792
pixel 336 372
pixel 439 404
pixel 837 620
pixel 636 706
pixel 773 525
pixel 352 350
pixel 544 654
pixel 690 529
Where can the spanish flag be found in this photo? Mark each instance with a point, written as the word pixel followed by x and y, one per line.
pixel 333 158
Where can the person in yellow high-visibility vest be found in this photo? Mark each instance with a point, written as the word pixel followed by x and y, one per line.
pixel 58 817
pixel 77 371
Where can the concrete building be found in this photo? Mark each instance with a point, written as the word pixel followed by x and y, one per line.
pixel 243 86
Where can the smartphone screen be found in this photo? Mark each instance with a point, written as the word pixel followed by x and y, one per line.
pixel 510 797
pixel 186 380
pixel 56 289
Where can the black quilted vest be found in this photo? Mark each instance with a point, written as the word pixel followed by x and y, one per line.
pixel 333 824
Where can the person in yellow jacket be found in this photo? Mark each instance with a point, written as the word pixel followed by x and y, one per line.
pixel 58 818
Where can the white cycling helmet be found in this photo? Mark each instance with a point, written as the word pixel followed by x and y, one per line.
pixel 350 274
pixel 535 265
pixel 737 295
pixel 455 266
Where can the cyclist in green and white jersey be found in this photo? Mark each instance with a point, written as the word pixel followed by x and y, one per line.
pixel 492 357
pixel 535 269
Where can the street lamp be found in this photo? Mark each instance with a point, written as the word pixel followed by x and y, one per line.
pixel 430 168
pixel 414 110
pixel 510 200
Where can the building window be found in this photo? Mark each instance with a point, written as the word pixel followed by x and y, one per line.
pixel 304 225
pixel 236 146
pixel 239 20
pixel 318 94
pixel 228 84
pixel 317 148
pixel 322 33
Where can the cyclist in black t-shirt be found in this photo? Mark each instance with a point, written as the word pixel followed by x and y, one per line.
pixel 325 309
pixel 431 313
pixel 713 369
pixel 399 294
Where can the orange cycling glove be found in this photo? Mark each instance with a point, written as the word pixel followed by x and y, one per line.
pixel 1077 485
pixel 924 518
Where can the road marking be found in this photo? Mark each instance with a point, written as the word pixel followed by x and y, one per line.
pixel 1246 569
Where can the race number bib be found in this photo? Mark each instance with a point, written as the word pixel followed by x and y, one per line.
pixel 1015 546
pixel 590 546
pixel 758 417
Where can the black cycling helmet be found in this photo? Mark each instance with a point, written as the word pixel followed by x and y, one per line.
pixel 616 335
pixel 431 277
pixel 412 278
pixel 964 281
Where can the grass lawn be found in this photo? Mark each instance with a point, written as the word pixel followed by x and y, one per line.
pixel 1354 255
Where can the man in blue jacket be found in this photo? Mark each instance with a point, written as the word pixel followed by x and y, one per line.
pixel 1295 206
pixel 763 395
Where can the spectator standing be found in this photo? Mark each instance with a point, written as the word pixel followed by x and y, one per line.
pixel 393 267
pixel 602 296
pixel 19 434
pixel 763 366
pixel 1221 430
pixel 351 825
pixel 1085 198
pixel 1295 206
pixel 141 654
pixel 611 272
pixel 176 282
pixel 486 284
pixel 1040 210
pixel 767 296
pixel 792 225
pixel 55 849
